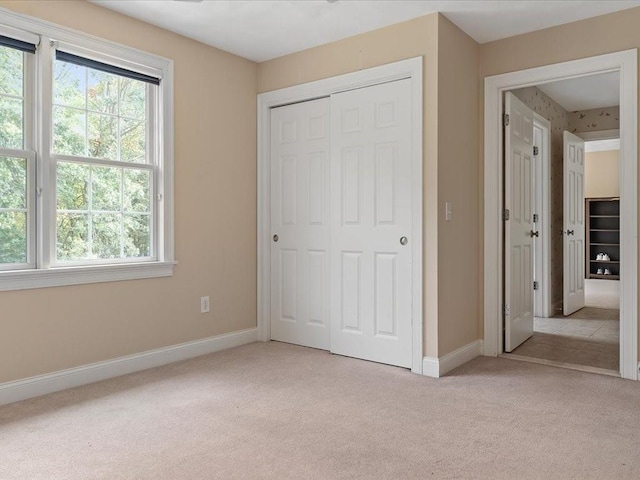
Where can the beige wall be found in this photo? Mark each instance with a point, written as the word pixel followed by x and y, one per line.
pixel 458 175
pixel 594 36
pixel 51 329
pixel 215 168
pixel 602 174
pixel 451 249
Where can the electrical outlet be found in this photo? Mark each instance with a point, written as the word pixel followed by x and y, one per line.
pixel 204 304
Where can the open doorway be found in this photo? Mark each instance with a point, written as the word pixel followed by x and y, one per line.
pixel 576 271
pixel 496 284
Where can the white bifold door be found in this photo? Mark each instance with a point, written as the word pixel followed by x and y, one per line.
pixel 341 213
pixel 574 227
pixel 519 230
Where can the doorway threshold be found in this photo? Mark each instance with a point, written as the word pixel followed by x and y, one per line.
pixel 554 363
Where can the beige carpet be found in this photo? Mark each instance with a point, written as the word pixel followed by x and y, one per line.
pixel 271 410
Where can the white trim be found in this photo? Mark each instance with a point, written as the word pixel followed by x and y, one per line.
pixel 163 190
pixel 54 382
pixel 543 248
pixel 36 27
pixel 599 135
pixel 601 145
pixel 626 63
pixel 62 276
pixel 438 367
pixel 411 68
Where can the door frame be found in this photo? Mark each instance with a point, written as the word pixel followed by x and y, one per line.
pixel 494 86
pixel 542 303
pixel 411 69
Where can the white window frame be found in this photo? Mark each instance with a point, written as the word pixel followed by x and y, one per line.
pixel 42 271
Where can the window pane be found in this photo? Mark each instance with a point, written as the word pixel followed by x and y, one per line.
pixel 137 190
pixel 72 236
pixel 69 85
pixel 102 92
pixel 137 237
pixel 11 125
pixel 109 115
pixel 106 184
pixel 11 71
pixel 13 182
pixel 13 237
pixel 133 98
pixel 73 186
pixel 69 131
pixel 106 235
pixel 103 136
pixel 132 140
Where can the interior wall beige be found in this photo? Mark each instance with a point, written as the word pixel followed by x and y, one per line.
pixel 215 219
pixel 410 39
pixel 602 174
pixel 458 176
pixel 586 38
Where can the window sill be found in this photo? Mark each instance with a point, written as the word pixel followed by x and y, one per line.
pixel 61 276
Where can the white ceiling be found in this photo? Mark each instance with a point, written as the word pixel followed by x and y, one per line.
pixel 263 29
pixel 585 93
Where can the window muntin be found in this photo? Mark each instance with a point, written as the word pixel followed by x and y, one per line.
pixel 104 211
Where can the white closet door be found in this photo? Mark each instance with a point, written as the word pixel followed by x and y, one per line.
pixel 370 214
pixel 300 223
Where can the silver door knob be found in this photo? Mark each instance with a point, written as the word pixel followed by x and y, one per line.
pixel 404 241
pixel 276 238
pixel 569 232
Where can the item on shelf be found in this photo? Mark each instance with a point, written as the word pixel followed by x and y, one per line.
pixel 599 257
pixel 599 272
pixel 607 271
pixel 605 257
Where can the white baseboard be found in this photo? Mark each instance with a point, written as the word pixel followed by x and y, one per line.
pixel 437 367
pixel 54 382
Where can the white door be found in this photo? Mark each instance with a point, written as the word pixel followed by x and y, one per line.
pixel 300 223
pixel 573 235
pixel 519 227
pixel 371 223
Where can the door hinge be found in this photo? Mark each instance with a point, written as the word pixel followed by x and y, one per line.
pixel 535 218
pixel 505 214
pixel 535 151
pixel 505 119
pixel 507 310
pixel 536 285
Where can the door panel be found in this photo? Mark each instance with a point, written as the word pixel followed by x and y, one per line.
pixel 300 218
pixel 370 211
pixel 519 200
pixel 574 226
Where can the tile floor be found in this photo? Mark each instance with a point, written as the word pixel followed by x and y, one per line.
pixel 589 337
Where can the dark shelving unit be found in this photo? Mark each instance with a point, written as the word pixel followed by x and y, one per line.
pixel 603 236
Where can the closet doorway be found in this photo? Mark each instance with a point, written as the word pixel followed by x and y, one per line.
pixel 340 215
